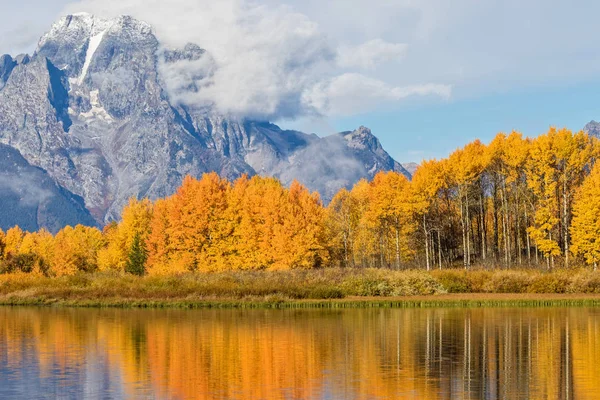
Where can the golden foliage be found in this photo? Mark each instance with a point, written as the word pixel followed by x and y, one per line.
pixel 510 201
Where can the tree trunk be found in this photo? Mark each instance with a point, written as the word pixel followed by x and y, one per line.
pixel 528 240
pixel 551 255
pixel 483 233
pixel 518 233
pixel 464 235
pixel 566 222
pixel 381 255
pixel 345 250
pixel 426 242
pixel 468 223
pixel 496 234
pixel 504 226
pixel 397 247
pixel 439 249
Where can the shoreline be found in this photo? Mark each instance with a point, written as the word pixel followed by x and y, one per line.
pixel 463 300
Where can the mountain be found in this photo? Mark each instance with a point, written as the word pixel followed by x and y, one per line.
pixel 592 128
pixel 91 110
pixel 411 167
pixel 31 199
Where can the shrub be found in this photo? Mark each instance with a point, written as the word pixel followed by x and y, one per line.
pixel 508 282
pixel 557 282
pixel 454 281
pixel 19 263
pixel 585 282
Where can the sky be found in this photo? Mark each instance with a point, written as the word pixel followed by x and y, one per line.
pixel 427 76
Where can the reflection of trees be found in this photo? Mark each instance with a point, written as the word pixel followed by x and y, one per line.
pixel 362 354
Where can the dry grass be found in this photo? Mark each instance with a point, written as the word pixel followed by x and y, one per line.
pixel 355 286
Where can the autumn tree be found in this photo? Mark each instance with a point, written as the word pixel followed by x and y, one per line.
pixel 120 236
pixel 2 245
pixel 196 229
pixel 300 235
pixel 585 229
pixel 13 239
pixel 158 246
pixel 467 166
pixel 498 201
pixel 76 250
pixel 574 157
pixel 510 195
pixel 426 185
pixel 343 220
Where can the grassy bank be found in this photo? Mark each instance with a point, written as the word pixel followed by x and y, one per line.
pixel 316 288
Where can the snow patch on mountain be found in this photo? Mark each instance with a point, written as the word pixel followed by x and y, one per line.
pixel 92 47
pixel 97 111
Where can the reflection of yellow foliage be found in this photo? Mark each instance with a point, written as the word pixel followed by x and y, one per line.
pixel 362 354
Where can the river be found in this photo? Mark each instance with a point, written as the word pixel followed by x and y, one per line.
pixel 419 353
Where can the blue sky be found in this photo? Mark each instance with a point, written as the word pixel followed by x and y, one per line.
pixel 426 76
pixel 433 130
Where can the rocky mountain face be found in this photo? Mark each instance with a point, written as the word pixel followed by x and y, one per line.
pixel 411 167
pixel 89 111
pixel 31 199
pixel 592 128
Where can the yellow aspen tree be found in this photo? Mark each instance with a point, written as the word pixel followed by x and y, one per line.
pixel 159 257
pixel 39 247
pixel 543 181
pixel 343 218
pixel 365 241
pixel 135 220
pixel 2 244
pixel 390 205
pixel 467 165
pixel 76 249
pixel 259 204
pixel 303 226
pixel 196 228
pixel 44 242
pixel 427 181
pixel 573 160
pixel 516 153
pixel 585 227
pixel 507 170
pixel 14 238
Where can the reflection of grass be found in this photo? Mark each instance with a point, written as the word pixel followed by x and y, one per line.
pixel 317 288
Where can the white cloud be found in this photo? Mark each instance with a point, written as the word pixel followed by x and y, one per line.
pixel 353 93
pixel 265 60
pixel 370 54
pixel 478 47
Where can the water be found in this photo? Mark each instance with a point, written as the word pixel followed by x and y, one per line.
pixel 496 353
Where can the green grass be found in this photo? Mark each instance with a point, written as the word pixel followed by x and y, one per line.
pixel 330 288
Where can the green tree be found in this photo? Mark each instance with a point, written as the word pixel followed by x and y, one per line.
pixel 136 259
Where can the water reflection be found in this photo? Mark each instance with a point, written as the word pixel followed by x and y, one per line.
pixel 547 353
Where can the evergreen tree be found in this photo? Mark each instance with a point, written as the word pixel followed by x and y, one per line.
pixel 136 259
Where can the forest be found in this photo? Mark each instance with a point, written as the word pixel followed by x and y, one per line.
pixel 516 202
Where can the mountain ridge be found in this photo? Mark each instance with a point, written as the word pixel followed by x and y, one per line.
pixel 94 109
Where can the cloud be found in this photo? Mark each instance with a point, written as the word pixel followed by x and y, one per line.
pixel 263 61
pixel 370 54
pixel 25 185
pixel 354 93
pixel 19 38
